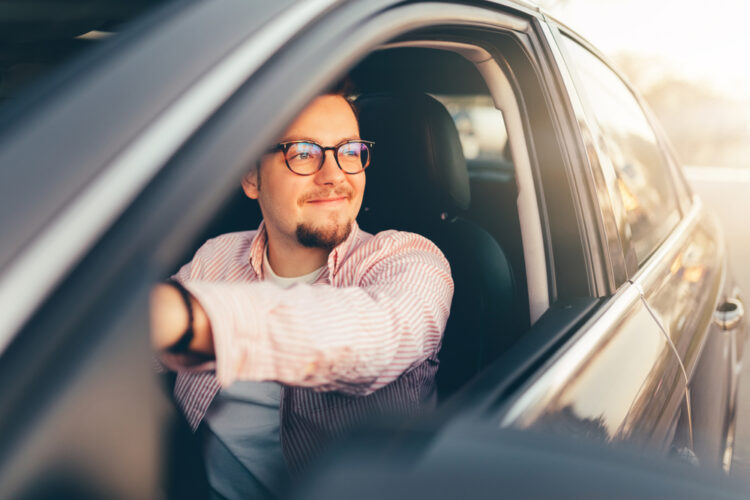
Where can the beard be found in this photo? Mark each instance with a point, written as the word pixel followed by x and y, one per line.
pixel 327 234
pixel 327 237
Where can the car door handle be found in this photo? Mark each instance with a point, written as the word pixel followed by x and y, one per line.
pixel 729 314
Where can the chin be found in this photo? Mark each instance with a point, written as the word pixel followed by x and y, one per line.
pixel 327 236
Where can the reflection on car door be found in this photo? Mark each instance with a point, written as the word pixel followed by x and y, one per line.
pixel 619 378
pixel 679 267
pixel 616 380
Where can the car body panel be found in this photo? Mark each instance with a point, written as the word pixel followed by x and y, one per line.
pixel 48 160
pixel 472 460
pixel 668 382
pixel 686 295
pixel 693 253
pixel 616 380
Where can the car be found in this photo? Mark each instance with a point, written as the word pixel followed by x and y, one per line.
pixel 593 296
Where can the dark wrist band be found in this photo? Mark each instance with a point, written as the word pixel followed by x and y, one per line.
pixel 183 344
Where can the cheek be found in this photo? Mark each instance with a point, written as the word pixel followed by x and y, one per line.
pixel 288 197
pixel 358 183
pixel 280 196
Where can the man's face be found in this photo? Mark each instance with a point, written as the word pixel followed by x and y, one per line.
pixel 315 210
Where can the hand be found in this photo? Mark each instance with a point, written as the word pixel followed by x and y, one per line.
pixel 169 321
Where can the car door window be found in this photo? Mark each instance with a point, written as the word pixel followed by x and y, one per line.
pixel 626 137
pixel 481 128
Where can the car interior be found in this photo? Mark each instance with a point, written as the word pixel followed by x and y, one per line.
pixel 422 181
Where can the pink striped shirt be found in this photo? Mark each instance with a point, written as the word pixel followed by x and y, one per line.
pixel 377 311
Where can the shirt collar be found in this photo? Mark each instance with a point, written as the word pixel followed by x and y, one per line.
pixel 337 255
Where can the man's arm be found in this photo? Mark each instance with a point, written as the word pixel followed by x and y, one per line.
pixel 355 339
pixel 170 320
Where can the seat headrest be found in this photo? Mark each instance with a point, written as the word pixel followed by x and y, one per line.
pixel 417 159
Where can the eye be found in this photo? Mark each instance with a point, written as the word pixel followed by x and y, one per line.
pixel 350 150
pixel 303 152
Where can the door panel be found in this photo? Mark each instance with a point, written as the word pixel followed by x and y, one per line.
pixel 92 422
pixel 683 285
pixel 617 380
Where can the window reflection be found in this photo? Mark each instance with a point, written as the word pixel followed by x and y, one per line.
pixel 627 139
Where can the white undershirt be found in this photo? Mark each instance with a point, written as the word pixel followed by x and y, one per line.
pixel 269 275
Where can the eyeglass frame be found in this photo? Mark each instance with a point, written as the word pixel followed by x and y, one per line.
pixel 284 147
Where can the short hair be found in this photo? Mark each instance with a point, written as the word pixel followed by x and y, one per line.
pixel 345 88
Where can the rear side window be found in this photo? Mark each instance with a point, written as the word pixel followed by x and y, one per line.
pixel 626 137
pixel 481 129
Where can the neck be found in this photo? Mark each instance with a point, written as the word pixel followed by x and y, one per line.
pixel 290 259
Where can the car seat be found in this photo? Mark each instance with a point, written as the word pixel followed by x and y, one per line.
pixel 418 181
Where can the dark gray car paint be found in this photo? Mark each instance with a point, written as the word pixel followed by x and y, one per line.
pixel 99 105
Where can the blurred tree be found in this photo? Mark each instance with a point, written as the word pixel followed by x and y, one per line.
pixel 705 127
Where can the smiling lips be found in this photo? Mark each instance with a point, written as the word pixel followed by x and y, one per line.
pixel 325 201
pixel 327 197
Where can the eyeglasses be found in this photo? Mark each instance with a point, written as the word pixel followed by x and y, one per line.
pixel 307 157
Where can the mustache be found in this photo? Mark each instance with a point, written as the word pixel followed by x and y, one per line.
pixel 345 191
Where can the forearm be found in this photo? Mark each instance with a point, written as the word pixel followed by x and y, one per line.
pixel 354 339
pixel 170 319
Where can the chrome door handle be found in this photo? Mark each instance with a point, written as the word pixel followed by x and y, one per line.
pixel 729 314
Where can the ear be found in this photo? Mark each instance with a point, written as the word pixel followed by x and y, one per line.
pixel 250 184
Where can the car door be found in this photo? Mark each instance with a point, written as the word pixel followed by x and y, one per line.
pixel 617 378
pixel 678 258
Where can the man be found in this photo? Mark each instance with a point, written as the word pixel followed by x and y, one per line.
pixel 308 315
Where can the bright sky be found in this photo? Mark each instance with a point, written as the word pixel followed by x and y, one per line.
pixel 705 41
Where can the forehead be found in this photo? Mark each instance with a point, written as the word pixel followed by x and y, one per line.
pixel 327 119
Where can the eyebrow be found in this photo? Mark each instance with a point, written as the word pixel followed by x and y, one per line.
pixel 308 139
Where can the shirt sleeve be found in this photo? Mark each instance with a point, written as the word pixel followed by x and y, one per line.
pixel 351 339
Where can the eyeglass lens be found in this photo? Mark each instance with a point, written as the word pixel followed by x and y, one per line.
pixel 307 157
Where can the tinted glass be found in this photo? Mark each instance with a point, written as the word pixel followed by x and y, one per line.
pixel 481 129
pixel 643 179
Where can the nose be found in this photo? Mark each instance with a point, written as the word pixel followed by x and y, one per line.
pixel 329 173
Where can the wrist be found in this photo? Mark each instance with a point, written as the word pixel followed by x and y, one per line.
pixel 182 343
